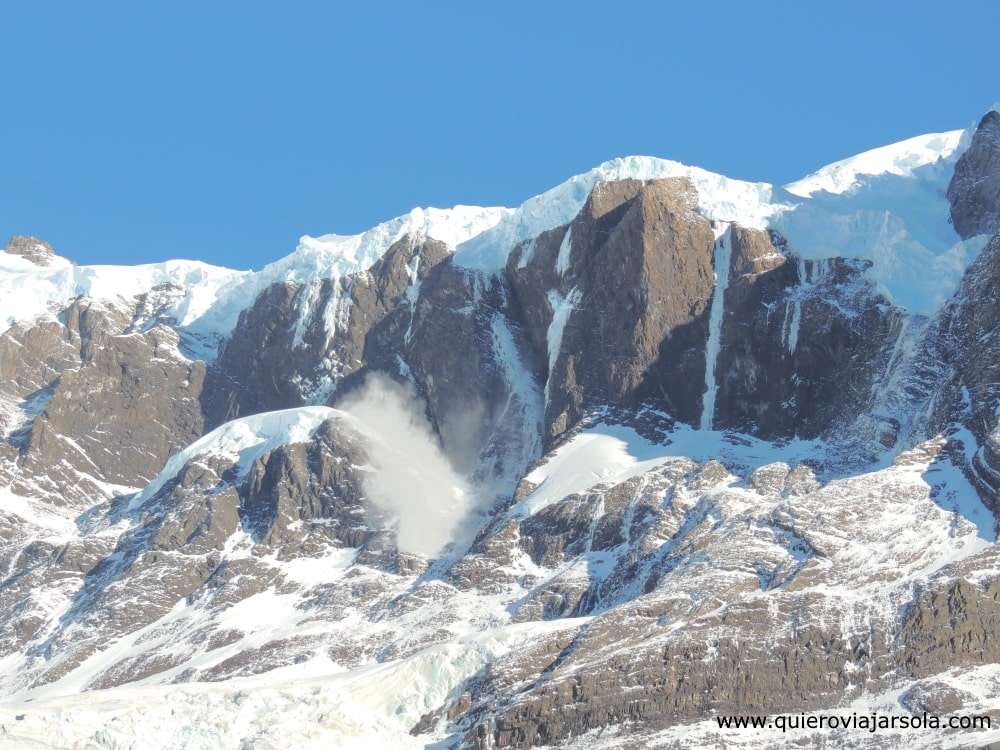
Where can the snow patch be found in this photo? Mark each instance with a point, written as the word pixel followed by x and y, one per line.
pixel 562 308
pixel 243 441
pixel 565 248
pixel 606 454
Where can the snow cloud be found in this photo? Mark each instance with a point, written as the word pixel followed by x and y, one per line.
pixel 412 479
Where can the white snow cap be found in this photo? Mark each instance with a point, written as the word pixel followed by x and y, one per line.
pixel 335 253
pixel 719 197
pixel 887 205
pixel 897 158
pixel 213 297
pixel 29 291
pixel 243 441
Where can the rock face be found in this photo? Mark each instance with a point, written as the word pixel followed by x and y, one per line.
pixel 797 336
pixel 661 651
pixel 641 338
pixel 37 251
pixel 692 467
pixel 974 192
pixel 296 342
pixel 99 400
pixel 969 356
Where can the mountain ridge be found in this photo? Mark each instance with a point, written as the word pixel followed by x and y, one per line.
pixel 596 483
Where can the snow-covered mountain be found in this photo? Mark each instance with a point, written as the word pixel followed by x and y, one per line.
pixel 656 445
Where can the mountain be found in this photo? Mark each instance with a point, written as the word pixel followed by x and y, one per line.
pixel 655 446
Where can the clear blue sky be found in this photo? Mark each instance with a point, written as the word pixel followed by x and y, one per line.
pixel 223 131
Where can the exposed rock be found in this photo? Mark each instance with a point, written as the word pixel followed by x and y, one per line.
pixel 297 342
pixel 933 697
pixel 665 577
pixel 628 286
pixel 955 625
pixel 37 251
pixel 97 402
pixel 797 337
pixel 974 191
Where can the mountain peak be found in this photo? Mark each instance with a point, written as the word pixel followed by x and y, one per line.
pixel 900 159
pixel 33 249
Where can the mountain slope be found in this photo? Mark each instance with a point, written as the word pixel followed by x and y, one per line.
pixel 654 446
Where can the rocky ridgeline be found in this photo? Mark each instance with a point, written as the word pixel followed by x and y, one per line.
pixel 695 586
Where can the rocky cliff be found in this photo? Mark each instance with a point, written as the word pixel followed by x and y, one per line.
pixel 653 447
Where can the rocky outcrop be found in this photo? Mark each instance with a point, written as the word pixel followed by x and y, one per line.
pixel 974 191
pixel 683 629
pixel 297 342
pixel 622 300
pixel 951 626
pixel 965 349
pixel 448 331
pixel 659 576
pixel 797 335
pixel 297 501
pixel 302 483
pixel 37 251
pixel 96 401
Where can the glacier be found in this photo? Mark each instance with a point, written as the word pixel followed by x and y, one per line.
pixel 886 205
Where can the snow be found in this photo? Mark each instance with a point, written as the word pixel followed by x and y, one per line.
pixel 605 454
pixel 452 226
pixel 332 257
pixel 562 308
pixel 310 705
pixel 906 522
pixel 213 297
pixel 39 515
pixel 28 291
pixel 900 158
pixel 887 205
pixel 720 198
pixel 244 440
pixel 723 254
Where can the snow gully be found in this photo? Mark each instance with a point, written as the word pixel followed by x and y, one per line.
pixel 722 255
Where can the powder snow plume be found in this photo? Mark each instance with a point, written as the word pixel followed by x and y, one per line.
pixel 412 479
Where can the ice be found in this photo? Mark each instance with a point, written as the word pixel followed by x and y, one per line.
pixel 562 308
pixel 309 705
pixel 28 291
pixel 565 248
pixel 887 205
pixel 794 325
pixel 723 254
pixel 900 158
pixel 213 297
pixel 520 422
pixel 721 198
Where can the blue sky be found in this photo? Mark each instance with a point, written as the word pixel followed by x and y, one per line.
pixel 223 131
